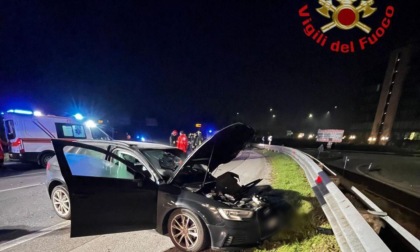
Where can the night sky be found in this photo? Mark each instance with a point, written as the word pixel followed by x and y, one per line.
pixel 182 62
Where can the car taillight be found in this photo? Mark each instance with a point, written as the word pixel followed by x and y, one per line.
pixel 17 143
pixel 48 165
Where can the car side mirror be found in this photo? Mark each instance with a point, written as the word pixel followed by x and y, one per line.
pixel 140 174
pixel 141 169
pixel 138 178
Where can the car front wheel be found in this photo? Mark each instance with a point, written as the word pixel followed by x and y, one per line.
pixel 61 202
pixel 187 231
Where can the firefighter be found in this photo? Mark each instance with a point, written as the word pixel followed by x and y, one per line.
pixel 173 137
pixel 182 142
pixel 191 140
pixel 198 140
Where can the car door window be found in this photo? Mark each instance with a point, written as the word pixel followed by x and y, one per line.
pixel 122 171
pixel 91 163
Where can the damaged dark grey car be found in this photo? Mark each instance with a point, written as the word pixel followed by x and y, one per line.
pixel 161 190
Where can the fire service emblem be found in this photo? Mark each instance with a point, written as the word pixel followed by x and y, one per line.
pixel 346 15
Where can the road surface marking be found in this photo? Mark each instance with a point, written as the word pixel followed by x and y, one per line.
pixel 34 235
pixel 24 175
pixel 21 187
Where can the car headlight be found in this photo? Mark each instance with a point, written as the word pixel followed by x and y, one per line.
pixel 235 214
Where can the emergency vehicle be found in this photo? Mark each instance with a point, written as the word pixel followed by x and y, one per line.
pixel 1 155
pixel 29 135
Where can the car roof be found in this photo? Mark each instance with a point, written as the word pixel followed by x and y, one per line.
pixel 129 144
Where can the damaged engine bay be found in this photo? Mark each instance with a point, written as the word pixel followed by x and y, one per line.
pixel 198 178
pixel 227 190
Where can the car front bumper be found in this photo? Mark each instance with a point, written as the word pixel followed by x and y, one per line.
pixel 238 234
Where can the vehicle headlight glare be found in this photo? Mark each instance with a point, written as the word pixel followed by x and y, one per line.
pixel 235 214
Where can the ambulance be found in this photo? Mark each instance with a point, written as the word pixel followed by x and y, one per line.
pixel 29 134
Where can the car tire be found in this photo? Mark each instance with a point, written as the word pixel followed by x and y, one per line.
pixel 183 220
pixel 61 202
pixel 44 158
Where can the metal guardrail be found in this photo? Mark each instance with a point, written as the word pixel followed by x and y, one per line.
pixel 384 216
pixel 351 230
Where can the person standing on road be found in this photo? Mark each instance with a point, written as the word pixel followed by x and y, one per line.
pixel 198 139
pixel 191 139
pixel 270 138
pixel 182 143
pixel 173 137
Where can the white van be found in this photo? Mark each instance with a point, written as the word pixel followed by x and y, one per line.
pixel 29 136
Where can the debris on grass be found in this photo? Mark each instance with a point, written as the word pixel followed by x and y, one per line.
pixel 308 228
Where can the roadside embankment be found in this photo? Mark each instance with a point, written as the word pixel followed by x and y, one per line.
pixel 308 229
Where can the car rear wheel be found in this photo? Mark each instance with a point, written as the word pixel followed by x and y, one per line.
pixel 61 202
pixel 44 158
pixel 187 231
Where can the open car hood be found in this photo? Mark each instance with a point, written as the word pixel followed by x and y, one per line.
pixel 222 147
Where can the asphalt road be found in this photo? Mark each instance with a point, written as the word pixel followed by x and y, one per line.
pixel 28 222
pixel 23 201
pixel 398 171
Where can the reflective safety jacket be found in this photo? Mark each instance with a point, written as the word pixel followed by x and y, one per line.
pixel 182 142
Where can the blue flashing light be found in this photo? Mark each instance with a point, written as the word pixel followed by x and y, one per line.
pixel 210 131
pixel 78 116
pixel 137 137
pixel 2 113
pixel 20 111
pixel 143 139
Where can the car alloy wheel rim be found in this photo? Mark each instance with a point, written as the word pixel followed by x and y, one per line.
pixel 61 202
pixel 184 231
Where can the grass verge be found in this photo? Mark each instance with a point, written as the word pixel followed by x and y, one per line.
pixel 308 227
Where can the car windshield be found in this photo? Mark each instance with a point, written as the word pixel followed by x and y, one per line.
pixel 165 161
pixel 99 134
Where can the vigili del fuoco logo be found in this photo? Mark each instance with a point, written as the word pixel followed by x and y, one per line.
pixel 363 20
